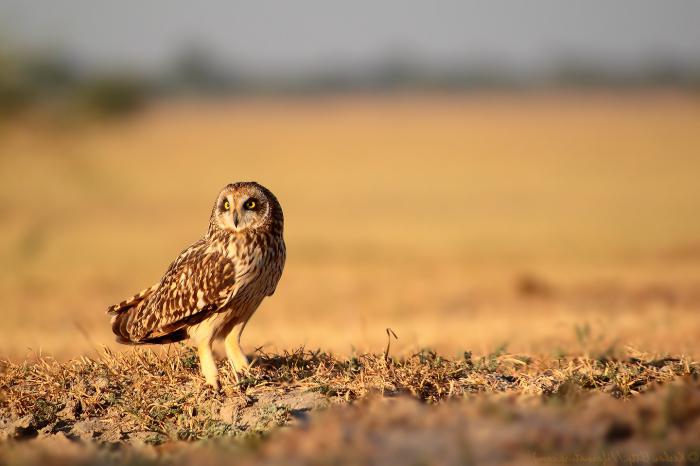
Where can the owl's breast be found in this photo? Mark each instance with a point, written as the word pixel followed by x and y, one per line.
pixel 259 265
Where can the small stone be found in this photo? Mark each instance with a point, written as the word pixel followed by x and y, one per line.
pixel 88 429
pixel 23 428
pixel 70 411
pixel 101 383
pixel 228 413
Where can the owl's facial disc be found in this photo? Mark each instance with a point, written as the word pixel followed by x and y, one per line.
pixel 241 210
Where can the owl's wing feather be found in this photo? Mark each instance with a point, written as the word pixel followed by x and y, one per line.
pixel 131 302
pixel 196 285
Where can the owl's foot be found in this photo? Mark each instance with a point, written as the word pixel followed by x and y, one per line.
pixel 208 365
pixel 235 355
pixel 213 385
pixel 239 363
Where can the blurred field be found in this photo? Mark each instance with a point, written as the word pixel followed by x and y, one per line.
pixel 546 222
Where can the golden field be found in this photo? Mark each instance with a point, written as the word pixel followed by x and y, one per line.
pixel 537 254
pixel 546 222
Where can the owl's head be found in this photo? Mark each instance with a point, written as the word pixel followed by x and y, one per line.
pixel 246 205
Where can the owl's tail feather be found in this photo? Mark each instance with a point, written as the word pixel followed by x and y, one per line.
pixel 120 329
pixel 120 319
pixel 120 315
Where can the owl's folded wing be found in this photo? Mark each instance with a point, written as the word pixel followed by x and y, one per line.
pixel 199 283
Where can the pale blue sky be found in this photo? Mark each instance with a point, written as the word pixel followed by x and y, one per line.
pixel 294 35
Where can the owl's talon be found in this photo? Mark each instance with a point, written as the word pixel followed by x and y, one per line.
pixel 235 373
pixel 214 386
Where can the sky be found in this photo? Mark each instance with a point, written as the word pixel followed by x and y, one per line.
pixel 276 36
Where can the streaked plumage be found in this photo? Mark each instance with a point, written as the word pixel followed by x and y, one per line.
pixel 215 285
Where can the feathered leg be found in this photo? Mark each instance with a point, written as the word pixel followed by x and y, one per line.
pixel 233 348
pixel 207 363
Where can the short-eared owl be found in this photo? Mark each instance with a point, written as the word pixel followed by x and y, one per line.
pixel 214 286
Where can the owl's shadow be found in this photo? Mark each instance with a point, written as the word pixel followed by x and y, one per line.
pixel 300 361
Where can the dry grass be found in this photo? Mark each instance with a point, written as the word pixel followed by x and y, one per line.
pixel 145 391
pixel 144 398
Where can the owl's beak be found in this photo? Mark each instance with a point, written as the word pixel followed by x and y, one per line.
pixel 235 218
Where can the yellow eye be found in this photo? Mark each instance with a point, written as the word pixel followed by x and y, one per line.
pixel 227 205
pixel 250 204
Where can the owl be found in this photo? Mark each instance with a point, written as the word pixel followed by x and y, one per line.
pixel 214 286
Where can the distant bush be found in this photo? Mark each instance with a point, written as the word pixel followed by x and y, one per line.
pixel 52 84
pixel 15 94
pixel 112 96
pixel 13 98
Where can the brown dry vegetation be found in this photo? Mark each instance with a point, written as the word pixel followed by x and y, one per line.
pixel 552 237
pixel 142 398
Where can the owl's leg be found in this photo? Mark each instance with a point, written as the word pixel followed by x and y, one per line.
pixel 233 348
pixel 207 363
